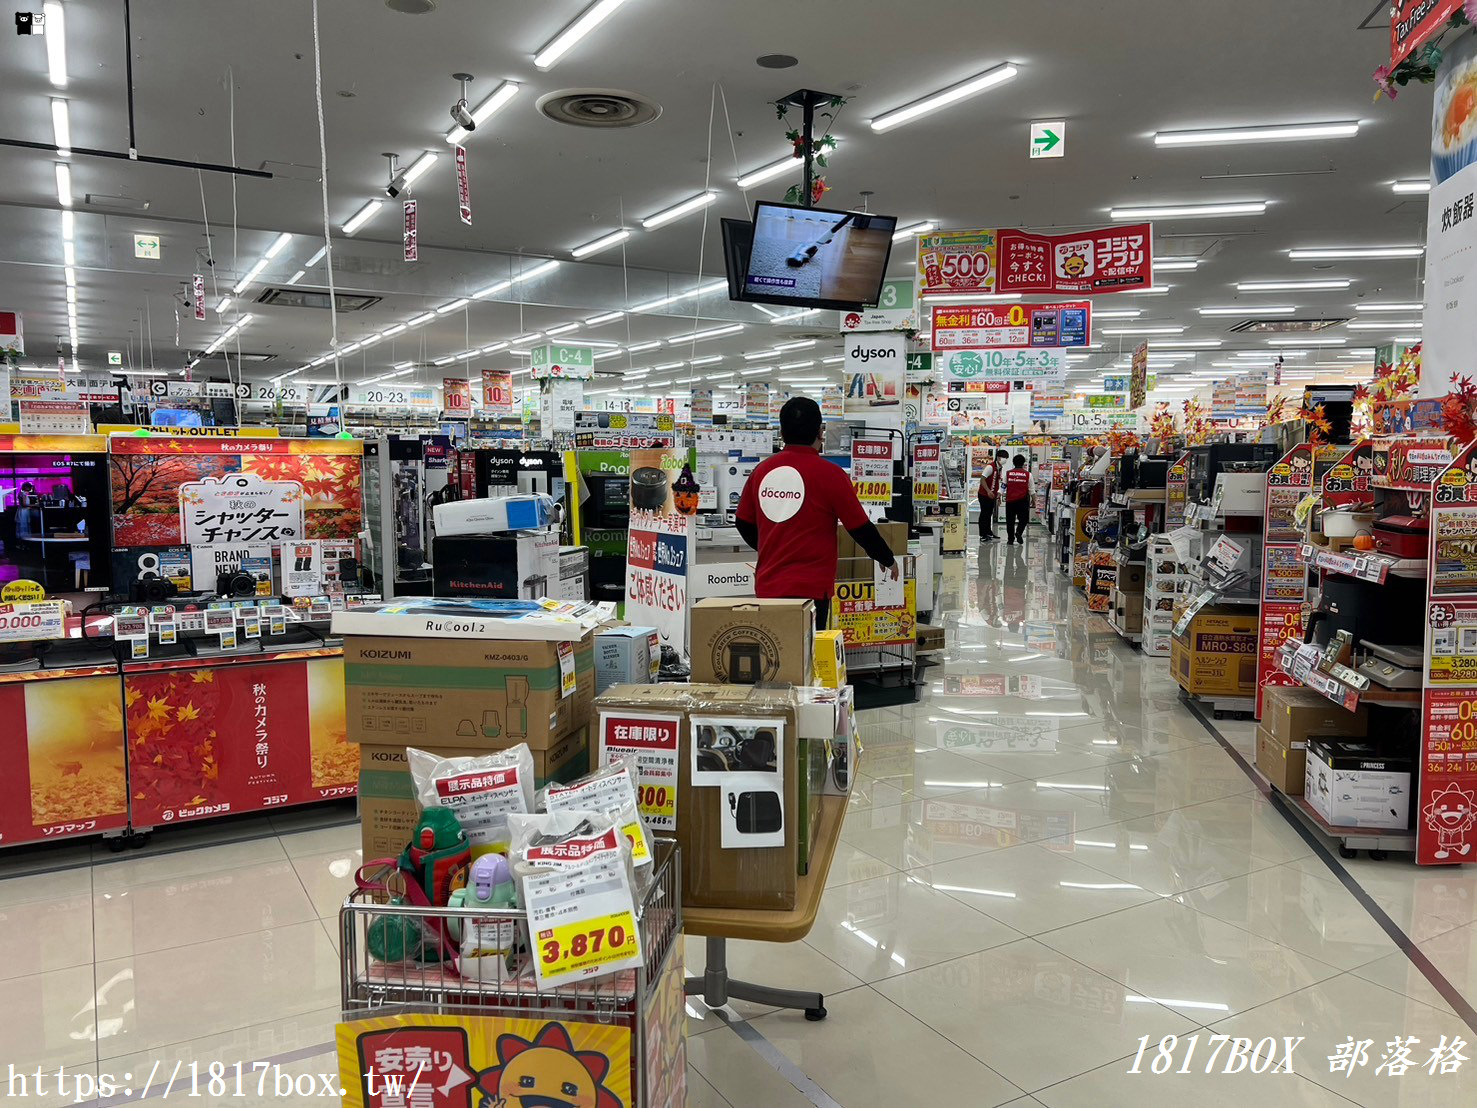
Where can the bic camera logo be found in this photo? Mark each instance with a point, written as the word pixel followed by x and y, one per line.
pixel 30 23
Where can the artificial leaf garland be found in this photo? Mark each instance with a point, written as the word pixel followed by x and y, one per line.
pixel 1421 65
pixel 820 149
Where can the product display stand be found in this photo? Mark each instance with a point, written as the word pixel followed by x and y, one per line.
pixel 718 925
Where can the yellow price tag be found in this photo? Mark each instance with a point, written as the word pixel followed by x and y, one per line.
pixel 575 948
pixel 566 669
pixel 636 835
pixel 657 802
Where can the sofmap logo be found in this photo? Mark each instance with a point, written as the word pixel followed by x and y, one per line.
pixel 30 23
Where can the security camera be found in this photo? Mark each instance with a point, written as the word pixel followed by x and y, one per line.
pixel 397 177
pixel 459 110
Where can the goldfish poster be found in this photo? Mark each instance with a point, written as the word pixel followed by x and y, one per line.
pixel 472 1061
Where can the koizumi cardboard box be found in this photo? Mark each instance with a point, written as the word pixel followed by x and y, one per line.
pixel 387 806
pixel 1352 784
pixel 471 693
pixel 749 641
pixel 1283 765
pixel 1293 714
pixel 1216 656
pixel 626 656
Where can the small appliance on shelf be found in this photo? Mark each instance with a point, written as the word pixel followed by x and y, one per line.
pixel 1402 536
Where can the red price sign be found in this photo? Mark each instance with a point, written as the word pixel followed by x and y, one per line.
pixel 457 394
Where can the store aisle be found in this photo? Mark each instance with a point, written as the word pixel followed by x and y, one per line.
pixel 1045 860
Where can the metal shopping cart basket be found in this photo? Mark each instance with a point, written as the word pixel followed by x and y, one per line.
pixel 642 999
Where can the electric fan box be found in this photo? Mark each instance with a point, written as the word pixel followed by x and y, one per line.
pixel 466 692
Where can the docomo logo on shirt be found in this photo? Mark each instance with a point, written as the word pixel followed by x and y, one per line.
pixel 781 494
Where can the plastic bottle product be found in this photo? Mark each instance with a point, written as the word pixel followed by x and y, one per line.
pixel 517 720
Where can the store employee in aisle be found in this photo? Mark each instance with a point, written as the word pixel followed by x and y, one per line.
pixel 1017 500
pixel 789 510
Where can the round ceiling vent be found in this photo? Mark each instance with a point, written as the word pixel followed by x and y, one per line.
pixel 411 7
pixel 776 61
pixel 598 107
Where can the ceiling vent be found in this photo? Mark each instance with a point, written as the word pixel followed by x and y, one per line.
pixel 108 203
pixel 411 7
pixel 290 296
pixel 598 107
pixel 1284 326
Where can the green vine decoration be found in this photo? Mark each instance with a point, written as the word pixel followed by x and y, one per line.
pixel 1422 64
pixel 820 147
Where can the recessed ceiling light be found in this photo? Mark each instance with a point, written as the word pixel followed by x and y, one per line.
pixel 1284 132
pixel 1385 325
pixel 1172 265
pixel 1250 310
pixel 485 110
pixel 1320 283
pixel 1142 330
pixel 1335 253
pixel 1118 313
pixel 596 14
pixel 361 217
pixel 677 211
pixel 1190 211
pixel 605 242
pixel 1410 186
pixel 915 229
pixel 942 99
pixel 1389 307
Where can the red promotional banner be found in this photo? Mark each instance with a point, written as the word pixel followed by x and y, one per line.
pixel 456 396
pixel 1010 326
pixel 463 193
pixel 1412 22
pixel 497 391
pixel 1112 259
pixel 412 244
pixel 62 752
pixel 1284 573
pixel 209 740
pixel 199 291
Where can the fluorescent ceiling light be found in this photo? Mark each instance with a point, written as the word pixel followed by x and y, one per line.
pixel 709 360
pixel 537 271
pixel 966 298
pixel 390 332
pixel 351 348
pixel 562 329
pixel 1118 313
pixel 710 333
pixel 69 254
pixel 756 372
pixel 486 110
pixel 942 99
pixel 56 43
pixel 370 340
pixel 802 344
pixel 760 355
pixel 1142 330
pixel 417 320
pixel 277 245
pixel 69 225
pixel 316 258
pixel 71 297
pixel 225 302
pixel 596 14
pixel 251 275
pixel 63 184
pixel 1385 325
pixel 1152 290
pixel 677 211
pixel 668 365
pixel 420 165
pixel 1305 340
pixel 1410 186
pixel 603 354
pixel 605 242
pixel 455 305
pixel 61 127
pixel 530 337
pixel 797 365
pixel 495 347
pixel 1248 310
pixel 643 346
pixel 1284 132
pixel 1190 211
pixel 1294 286
pixel 770 171
pixel 361 217
pixel 1389 307
pixel 1335 253
pixel 837 360
pixel 1173 265
pixel 598 344
pixel 298 276
pixel 493 289
pixel 604 318
pixel 439 362
pixel 913 230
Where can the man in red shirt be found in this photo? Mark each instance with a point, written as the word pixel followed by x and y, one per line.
pixel 1017 500
pixel 990 495
pixel 789 510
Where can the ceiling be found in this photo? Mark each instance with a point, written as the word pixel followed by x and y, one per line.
pixel 229 83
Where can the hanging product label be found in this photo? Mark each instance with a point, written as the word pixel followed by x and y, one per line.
pixel 1138 377
pixel 198 287
pixel 463 193
pixel 581 909
pixel 412 244
pixel 1008 326
pixel 652 741
pixel 1176 492
pixel 871 469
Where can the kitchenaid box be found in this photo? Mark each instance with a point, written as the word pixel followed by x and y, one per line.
pixel 475 693
pixel 747 641
pixel 521 566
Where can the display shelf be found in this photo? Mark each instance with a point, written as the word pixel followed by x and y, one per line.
pixel 1339 692
pixel 1134 637
pixel 1352 838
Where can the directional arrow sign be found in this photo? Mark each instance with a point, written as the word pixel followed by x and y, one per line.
pixel 1049 139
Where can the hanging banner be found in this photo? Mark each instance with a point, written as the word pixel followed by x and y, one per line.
pixel 1048 403
pixel 13 335
pixel 1008 326
pixel 463 193
pixel 1251 396
pixel 1176 492
pixel 702 407
pixel 833 403
pixel 659 543
pixel 1446 796
pixel 1106 400
pixel 756 401
pixel 389 396
pixel 1110 259
pixel 1412 22
pixel 559 400
pixel 871 469
pixel 875 370
pixel 556 360
pixel 407 233
pixel 497 392
pixel 896 310
pixel 1223 400
pixel 1117 382
pixel 198 289
pixel 1138 376
pixel 965 366
pixel 456 396
pixel 1450 332
pixel 1284 573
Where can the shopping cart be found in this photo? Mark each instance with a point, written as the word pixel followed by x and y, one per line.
pixel 628 998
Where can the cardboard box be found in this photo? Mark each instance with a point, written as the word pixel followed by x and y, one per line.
pixel 1283 765
pixel 1352 784
pixel 1128 610
pixel 472 693
pixel 1216 656
pixel 896 537
pixel 1292 714
pixel 522 566
pixel 930 639
pixel 626 656
pixel 830 659
pixel 388 810
pixel 1131 577
pixel 747 641
pixel 846 545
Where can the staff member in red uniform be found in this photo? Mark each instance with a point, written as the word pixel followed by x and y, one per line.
pixel 1017 500
pixel 789 510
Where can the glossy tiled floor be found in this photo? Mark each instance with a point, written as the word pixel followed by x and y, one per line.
pixel 1046 859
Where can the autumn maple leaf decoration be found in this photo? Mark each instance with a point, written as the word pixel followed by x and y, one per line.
pixel 1457 410
pixel 1318 420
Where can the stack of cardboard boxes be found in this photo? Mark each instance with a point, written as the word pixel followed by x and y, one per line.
pixel 1216 654
pixel 1290 717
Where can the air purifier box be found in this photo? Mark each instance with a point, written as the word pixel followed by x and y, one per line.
pixel 747 641
pixel 626 656
pixel 473 693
